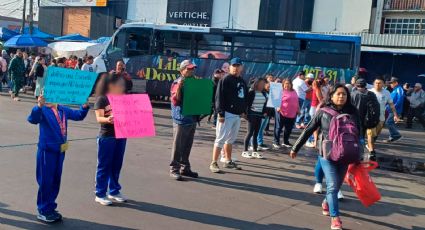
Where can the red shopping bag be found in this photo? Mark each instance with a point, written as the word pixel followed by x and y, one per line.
pixel 360 181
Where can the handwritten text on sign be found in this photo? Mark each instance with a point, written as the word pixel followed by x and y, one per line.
pixel 133 115
pixel 68 86
pixel 275 95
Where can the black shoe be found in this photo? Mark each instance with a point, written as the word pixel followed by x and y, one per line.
pixel 50 218
pixel 189 173
pixel 176 176
pixel 231 165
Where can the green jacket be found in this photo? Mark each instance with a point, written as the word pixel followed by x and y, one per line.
pixel 17 68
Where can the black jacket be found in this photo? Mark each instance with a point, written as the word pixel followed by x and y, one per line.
pixel 321 121
pixel 231 95
pixel 251 98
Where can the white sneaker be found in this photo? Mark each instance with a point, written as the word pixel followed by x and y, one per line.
pixel 276 146
pixel 103 201
pixel 340 195
pixel 318 188
pixel 222 159
pixel 120 198
pixel 251 148
pixel 310 144
pixel 257 155
pixel 16 99
pixel 246 154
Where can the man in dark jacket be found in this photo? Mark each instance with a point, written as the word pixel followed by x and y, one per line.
pixel 360 99
pixel 17 74
pixel 218 74
pixel 231 103
pixel 183 128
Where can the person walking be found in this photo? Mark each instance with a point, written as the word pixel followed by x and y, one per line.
pixel 3 72
pixel 417 106
pixel 231 104
pixel 17 74
pixel 338 107
pixel 39 71
pixel 256 110
pixel 301 89
pixel 397 95
pixel 286 115
pixel 384 99
pixel 184 127
pixel 52 145
pixel 111 150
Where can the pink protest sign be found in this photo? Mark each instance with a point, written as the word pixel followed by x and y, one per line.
pixel 133 115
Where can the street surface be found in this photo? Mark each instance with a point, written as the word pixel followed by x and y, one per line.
pixel 275 193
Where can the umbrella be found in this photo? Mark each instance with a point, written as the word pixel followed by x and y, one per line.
pixel 38 33
pixel 6 34
pixel 73 37
pixel 25 40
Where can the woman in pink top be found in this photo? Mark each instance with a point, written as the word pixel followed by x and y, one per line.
pixel 286 114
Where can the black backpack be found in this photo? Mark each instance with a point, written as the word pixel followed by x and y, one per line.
pixel 373 111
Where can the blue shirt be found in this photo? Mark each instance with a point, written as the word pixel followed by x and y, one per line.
pixel 398 98
pixel 51 137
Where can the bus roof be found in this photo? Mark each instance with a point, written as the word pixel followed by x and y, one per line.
pixel 262 33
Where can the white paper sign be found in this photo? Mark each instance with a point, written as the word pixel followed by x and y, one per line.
pixel 275 95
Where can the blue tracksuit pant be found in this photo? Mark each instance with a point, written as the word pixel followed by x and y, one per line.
pixel 49 172
pixel 109 162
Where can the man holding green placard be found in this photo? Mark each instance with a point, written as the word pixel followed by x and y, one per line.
pixel 184 125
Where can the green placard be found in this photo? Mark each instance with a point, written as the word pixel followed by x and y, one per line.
pixel 197 96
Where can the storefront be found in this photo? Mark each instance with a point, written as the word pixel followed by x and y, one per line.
pixel 91 18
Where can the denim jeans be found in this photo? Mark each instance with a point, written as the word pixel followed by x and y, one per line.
pixel 392 127
pixel 318 171
pixel 260 138
pixel 304 116
pixel 334 174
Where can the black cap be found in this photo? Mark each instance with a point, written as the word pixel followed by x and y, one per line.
pixel 361 83
pixel 218 71
pixel 393 79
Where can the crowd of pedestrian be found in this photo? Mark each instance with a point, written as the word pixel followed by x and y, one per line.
pixel 350 115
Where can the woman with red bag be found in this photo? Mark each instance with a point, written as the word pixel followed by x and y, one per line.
pixel 338 102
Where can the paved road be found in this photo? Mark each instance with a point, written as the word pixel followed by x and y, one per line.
pixel 275 193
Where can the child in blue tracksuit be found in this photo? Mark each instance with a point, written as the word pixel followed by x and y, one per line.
pixel 52 144
pixel 111 150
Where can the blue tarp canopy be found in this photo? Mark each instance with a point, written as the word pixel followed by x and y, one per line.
pixel 73 37
pixel 38 33
pixel 25 40
pixel 101 40
pixel 6 34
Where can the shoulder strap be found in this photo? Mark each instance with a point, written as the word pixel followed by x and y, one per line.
pixel 330 111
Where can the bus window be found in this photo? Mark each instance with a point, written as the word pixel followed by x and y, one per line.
pixel 329 47
pixel 138 41
pixel 117 46
pixel 287 50
pixel 173 43
pixel 253 49
pixel 213 46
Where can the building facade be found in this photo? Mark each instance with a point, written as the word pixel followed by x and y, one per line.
pixel 296 15
pixel 89 18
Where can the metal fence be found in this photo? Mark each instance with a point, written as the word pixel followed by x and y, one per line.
pixel 404 5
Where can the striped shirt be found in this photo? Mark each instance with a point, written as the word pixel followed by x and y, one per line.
pixel 258 103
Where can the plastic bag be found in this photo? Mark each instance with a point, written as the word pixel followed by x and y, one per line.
pixel 360 181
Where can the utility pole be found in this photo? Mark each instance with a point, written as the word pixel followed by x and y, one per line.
pixel 230 12
pixel 31 17
pixel 23 17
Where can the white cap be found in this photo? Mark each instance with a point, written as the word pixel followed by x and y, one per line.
pixel 310 76
pixel 418 85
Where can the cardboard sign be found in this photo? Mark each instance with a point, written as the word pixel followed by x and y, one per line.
pixel 133 115
pixel 68 86
pixel 197 96
pixel 275 95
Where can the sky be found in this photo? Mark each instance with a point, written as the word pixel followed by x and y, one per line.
pixel 13 8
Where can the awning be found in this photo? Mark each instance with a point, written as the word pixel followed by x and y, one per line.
pixel 393 50
pixel 73 37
